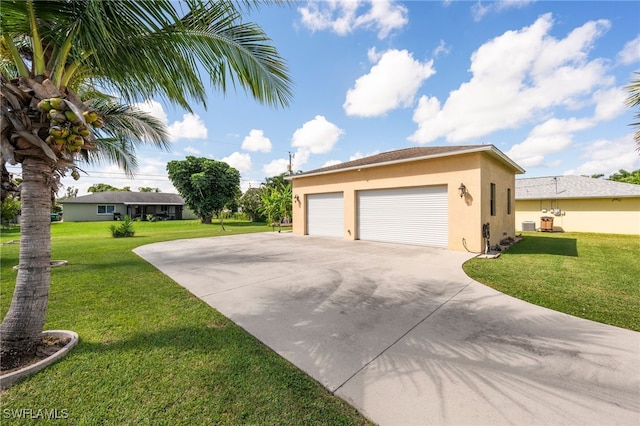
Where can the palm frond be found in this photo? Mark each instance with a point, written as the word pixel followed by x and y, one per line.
pixel 633 100
pixel 126 128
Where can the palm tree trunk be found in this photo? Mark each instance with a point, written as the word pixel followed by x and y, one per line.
pixel 21 328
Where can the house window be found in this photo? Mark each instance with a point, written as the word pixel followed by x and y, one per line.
pixel 493 199
pixel 106 209
pixel 508 200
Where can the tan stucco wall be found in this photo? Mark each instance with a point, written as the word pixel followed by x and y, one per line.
pixel 601 215
pixel 465 214
pixel 502 225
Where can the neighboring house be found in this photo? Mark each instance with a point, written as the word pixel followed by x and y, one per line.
pixel 578 204
pixel 114 204
pixel 432 196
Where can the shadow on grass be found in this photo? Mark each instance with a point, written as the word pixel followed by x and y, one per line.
pixel 533 244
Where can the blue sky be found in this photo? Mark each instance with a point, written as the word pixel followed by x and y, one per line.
pixel 542 81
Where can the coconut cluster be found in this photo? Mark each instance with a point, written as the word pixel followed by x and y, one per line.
pixel 68 128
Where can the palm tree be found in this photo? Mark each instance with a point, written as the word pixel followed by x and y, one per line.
pixel 634 101
pixel 62 55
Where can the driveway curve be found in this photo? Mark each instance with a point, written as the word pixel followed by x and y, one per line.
pixel 402 334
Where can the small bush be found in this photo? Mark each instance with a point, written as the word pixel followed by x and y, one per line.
pixel 124 229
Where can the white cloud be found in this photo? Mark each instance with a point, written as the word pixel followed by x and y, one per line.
pixel 191 126
pixel 276 167
pixel 554 135
pixel 256 141
pixel 281 165
pixel 479 10
pixel 240 162
pixel 610 103
pixel 608 157
pixel 345 16
pixel 358 155
pixel 249 183
pixel 300 158
pixel 331 163
pixel 442 49
pixel 631 52
pixel 318 136
pixel 192 150
pixel 542 72
pixel 391 83
pixel 373 55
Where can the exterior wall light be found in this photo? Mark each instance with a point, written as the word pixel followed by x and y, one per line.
pixel 462 189
pixel 297 198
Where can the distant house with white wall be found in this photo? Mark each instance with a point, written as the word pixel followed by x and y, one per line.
pixel 579 204
pixel 103 206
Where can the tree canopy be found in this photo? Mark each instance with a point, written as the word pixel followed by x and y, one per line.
pixel 9 209
pixel 251 202
pixel 206 185
pixel 105 187
pixel 627 177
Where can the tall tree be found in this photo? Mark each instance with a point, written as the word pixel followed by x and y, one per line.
pixel 251 203
pixel 59 55
pixel 277 202
pixel 627 177
pixel 9 209
pixel 633 101
pixel 148 189
pixel 71 192
pixel 206 186
pixel 105 187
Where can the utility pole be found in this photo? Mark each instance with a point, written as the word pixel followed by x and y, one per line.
pixel 290 168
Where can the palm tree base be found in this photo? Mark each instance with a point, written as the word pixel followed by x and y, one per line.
pixel 48 356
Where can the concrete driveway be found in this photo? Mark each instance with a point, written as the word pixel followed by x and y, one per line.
pixel 402 334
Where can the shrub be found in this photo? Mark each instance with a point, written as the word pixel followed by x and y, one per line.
pixel 124 229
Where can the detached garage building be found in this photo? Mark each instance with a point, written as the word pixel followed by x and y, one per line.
pixel 432 196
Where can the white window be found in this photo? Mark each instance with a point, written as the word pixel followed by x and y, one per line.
pixel 106 209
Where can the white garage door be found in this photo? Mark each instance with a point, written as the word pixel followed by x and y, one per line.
pixel 325 214
pixel 407 216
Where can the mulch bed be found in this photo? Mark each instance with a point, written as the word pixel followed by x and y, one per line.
pixel 49 346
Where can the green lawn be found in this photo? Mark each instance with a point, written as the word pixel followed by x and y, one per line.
pixel 149 351
pixel 593 276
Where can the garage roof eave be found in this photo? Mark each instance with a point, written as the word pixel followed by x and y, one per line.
pixel 490 149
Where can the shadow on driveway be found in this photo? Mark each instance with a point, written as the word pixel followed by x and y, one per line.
pixel 405 336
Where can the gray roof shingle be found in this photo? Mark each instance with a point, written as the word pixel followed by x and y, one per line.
pixel 116 197
pixel 554 187
pixel 410 154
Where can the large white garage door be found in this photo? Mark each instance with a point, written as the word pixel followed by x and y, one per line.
pixel 407 216
pixel 325 214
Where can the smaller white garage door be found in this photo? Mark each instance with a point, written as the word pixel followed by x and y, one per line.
pixel 417 216
pixel 325 214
